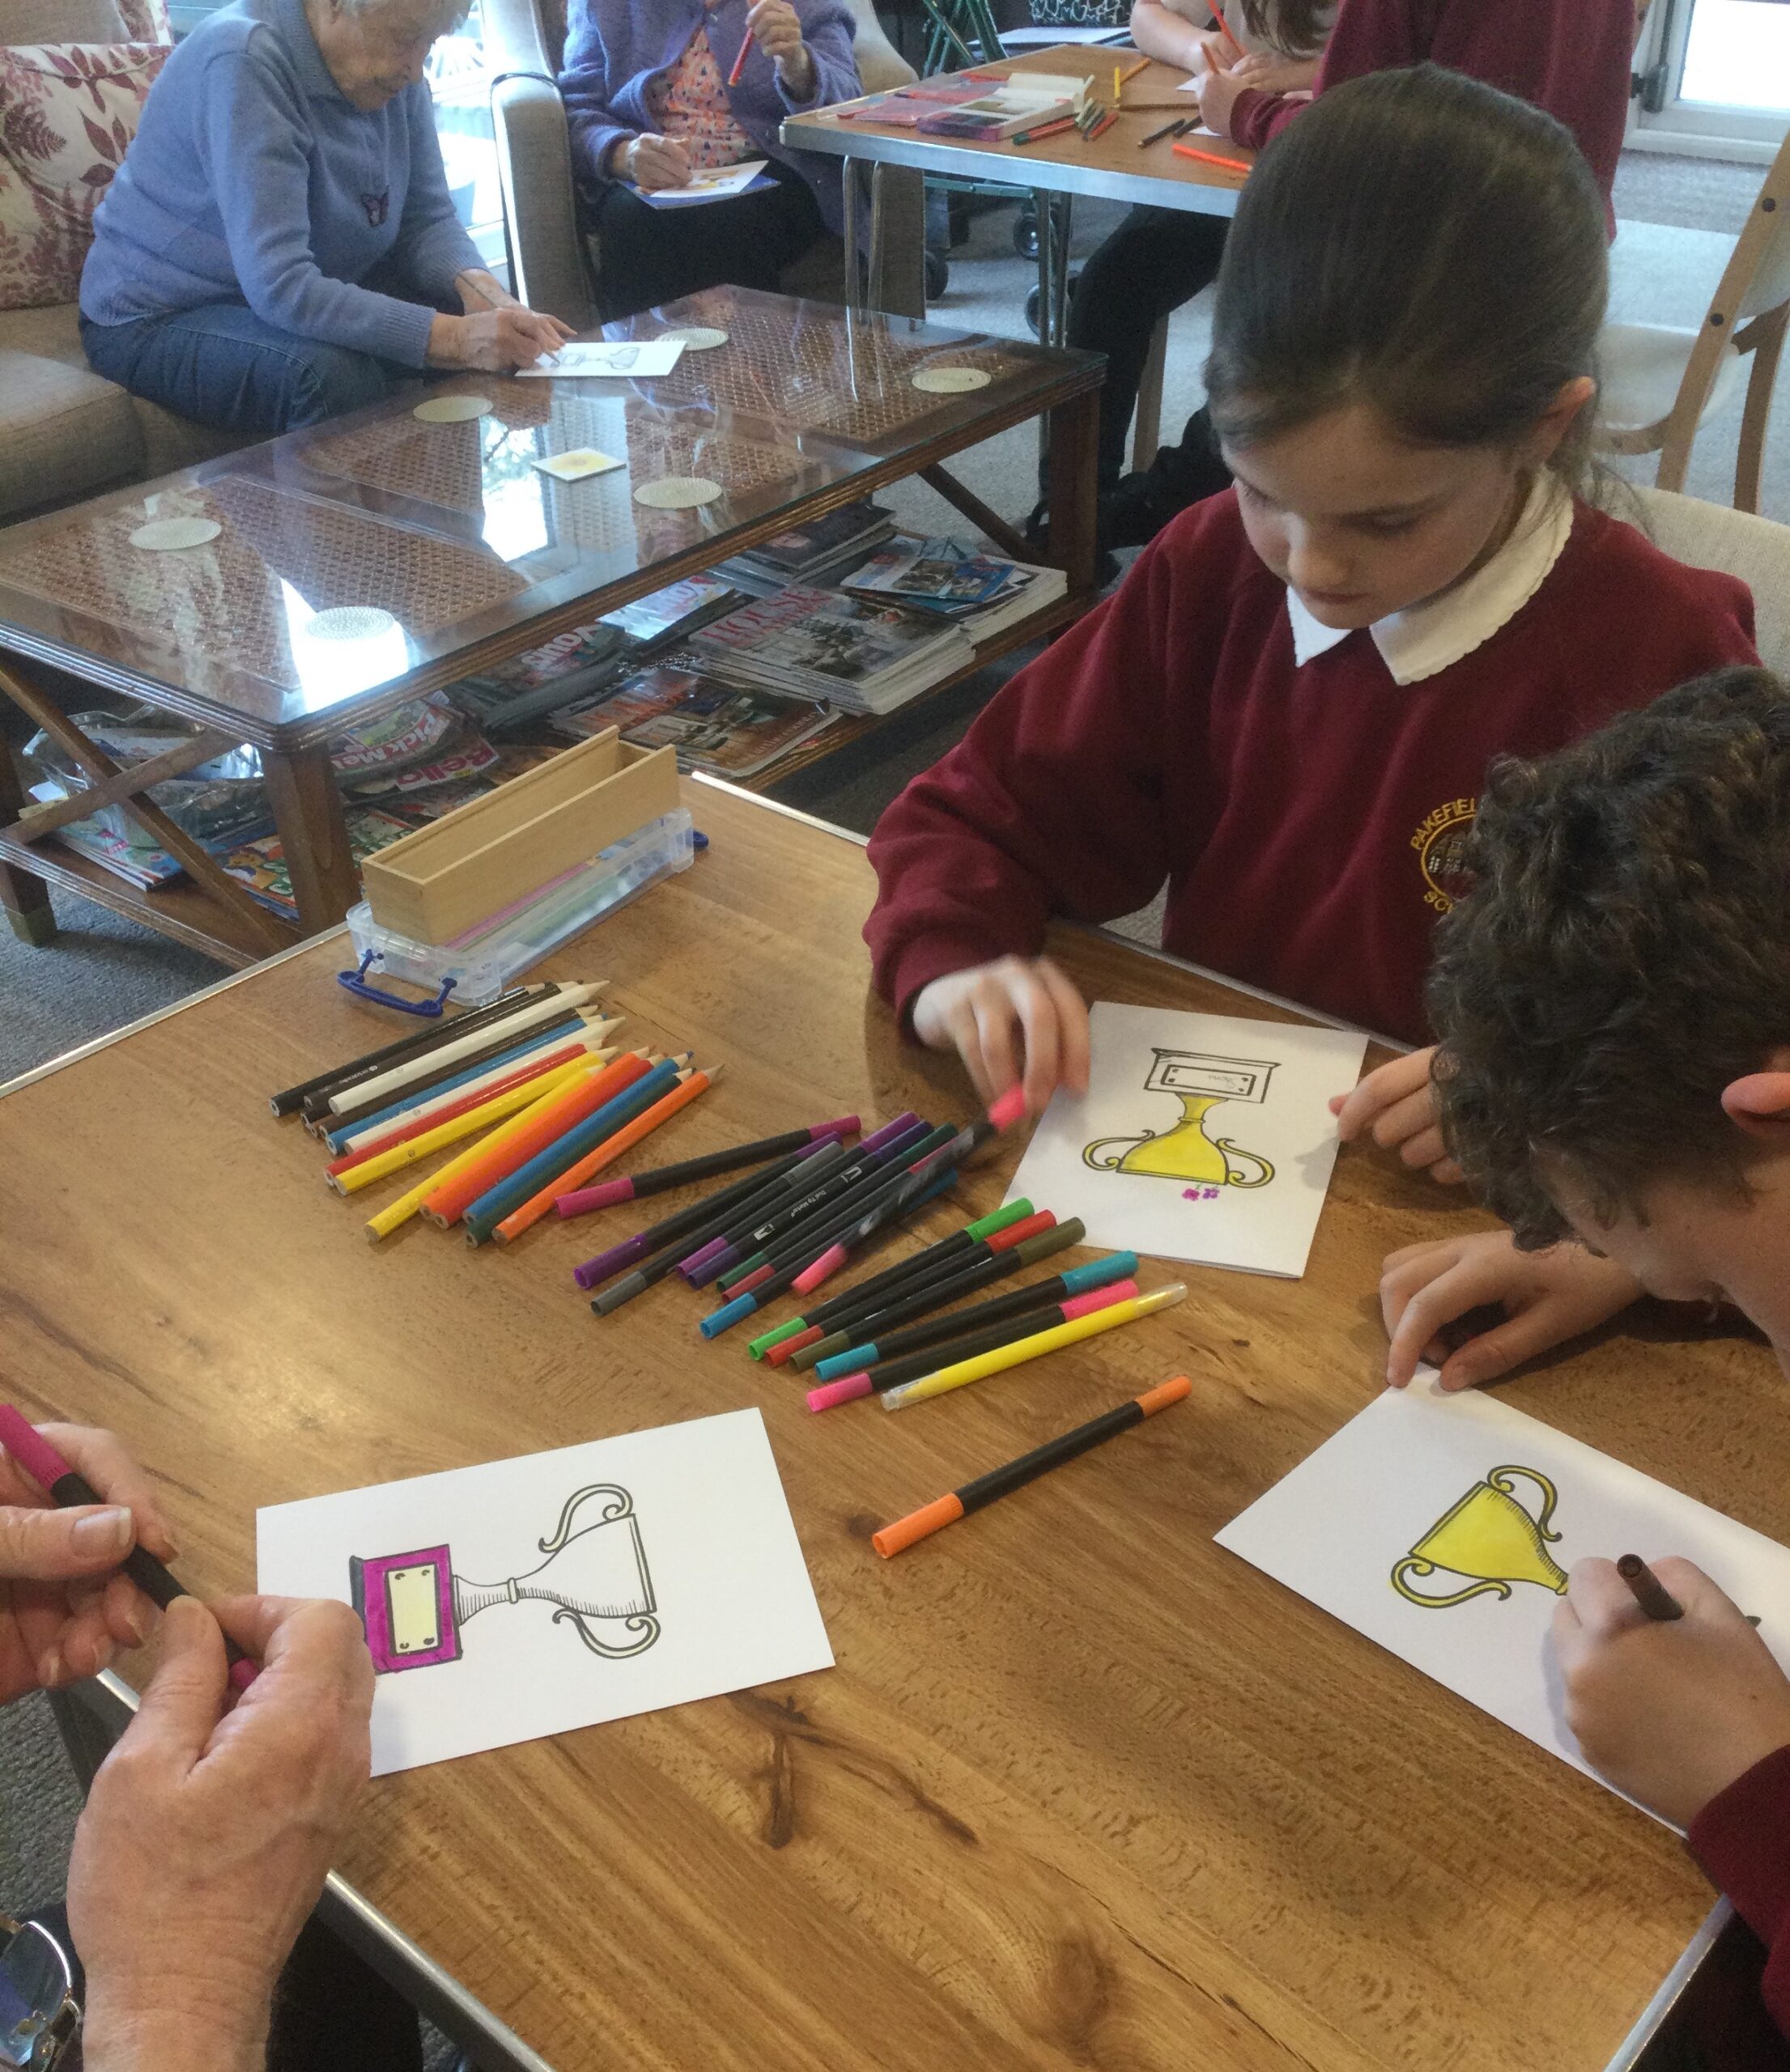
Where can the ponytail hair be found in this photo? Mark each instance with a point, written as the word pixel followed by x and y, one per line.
pixel 1420 242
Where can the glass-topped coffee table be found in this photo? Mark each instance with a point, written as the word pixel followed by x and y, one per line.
pixel 335 572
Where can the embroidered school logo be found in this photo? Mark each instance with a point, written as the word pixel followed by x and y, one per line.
pixel 1440 842
pixel 378 207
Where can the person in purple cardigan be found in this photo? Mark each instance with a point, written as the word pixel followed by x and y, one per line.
pixel 648 99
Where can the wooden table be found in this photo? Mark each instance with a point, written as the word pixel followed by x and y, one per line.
pixel 363 562
pixel 1083 1790
pixel 1113 168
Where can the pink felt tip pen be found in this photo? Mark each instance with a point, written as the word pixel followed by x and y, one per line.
pixel 65 1487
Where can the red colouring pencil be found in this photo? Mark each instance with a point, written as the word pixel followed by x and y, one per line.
pixel 402 1132
pixel 739 63
pixel 1210 157
pixel 1100 128
pixel 1223 29
pixel 1047 130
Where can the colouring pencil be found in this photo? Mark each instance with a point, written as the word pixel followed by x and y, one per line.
pixel 723 1249
pixel 469 1124
pixel 934 1257
pixel 477 1079
pixel 484 1214
pixel 947 1378
pixel 1156 136
pixel 370 1092
pixel 1002 1481
pixel 465 1101
pixel 292 1098
pixel 650 1272
pixel 1100 128
pixel 487 1163
pixel 739 66
pixel 612 1147
pixel 1044 130
pixel 1020 1244
pixel 1223 29
pixel 635 1186
pixel 65 1487
pixel 890 1337
pixel 1026 1323
pixel 397 1213
pixel 1131 72
pixel 361 1107
pixel 1209 157
pixel 604 1265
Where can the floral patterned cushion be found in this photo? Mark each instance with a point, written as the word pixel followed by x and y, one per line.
pixel 68 112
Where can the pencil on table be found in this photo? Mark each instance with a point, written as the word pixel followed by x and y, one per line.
pixel 606 1153
pixel 1210 157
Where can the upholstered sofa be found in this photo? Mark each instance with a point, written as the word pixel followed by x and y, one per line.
pixel 64 432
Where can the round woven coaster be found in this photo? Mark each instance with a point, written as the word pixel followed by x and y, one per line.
pixel 951 380
pixel 453 409
pixel 677 493
pixel 169 535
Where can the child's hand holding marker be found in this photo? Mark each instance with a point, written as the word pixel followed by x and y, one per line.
pixel 1671 1711
pixel 67 1608
pixel 1018 1020
pixel 1396 1105
pixel 1547 1298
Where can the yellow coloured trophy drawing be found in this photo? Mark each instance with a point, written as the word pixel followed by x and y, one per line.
pixel 1489 1538
pixel 1184 1152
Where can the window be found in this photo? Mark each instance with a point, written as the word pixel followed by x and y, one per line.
pixel 1716 77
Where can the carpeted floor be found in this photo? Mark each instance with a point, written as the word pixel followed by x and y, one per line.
pixel 1679 217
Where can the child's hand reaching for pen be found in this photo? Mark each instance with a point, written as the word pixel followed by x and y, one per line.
pixel 1396 1105
pixel 1547 1298
pixel 1017 1018
pixel 1670 1711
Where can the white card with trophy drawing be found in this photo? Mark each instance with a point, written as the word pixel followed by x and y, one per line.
pixel 527 1597
pixel 1199 1137
pixel 1443 1527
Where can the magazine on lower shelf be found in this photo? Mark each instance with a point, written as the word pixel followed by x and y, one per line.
pixel 713 726
pixel 860 653
pixel 982 593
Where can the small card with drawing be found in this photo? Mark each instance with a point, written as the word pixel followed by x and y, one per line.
pixel 531 1596
pixel 1443 1526
pixel 1199 1137
pixel 574 466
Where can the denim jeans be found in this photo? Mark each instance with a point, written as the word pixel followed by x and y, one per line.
pixel 222 366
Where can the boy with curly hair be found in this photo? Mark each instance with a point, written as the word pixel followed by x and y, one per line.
pixel 1612 1000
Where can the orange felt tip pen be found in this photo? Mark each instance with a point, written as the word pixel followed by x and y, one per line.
pixel 1002 1481
pixel 739 63
pixel 1210 157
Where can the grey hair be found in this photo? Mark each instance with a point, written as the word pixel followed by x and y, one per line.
pixel 443 14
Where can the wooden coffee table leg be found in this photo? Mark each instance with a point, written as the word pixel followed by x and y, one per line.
pixel 313 835
pixel 1074 436
pixel 24 895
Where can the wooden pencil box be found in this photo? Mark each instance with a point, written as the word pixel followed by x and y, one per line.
pixel 436 883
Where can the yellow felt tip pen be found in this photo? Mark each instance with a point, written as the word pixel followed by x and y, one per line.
pixel 487 1112
pixel 966 1371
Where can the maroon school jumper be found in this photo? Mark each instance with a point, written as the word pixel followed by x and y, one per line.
pixel 1742 1839
pixel 1569 56
pixel 1308 820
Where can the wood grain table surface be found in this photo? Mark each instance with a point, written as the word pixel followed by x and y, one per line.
pixel 1083 1790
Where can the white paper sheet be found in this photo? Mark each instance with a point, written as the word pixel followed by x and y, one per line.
pixel 688 1570
pixel 1267 1086
pixel 1351 1516
pixel 711 184
pixel 632 358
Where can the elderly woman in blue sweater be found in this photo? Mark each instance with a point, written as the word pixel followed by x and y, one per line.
pixel 651 96
pixel 278 245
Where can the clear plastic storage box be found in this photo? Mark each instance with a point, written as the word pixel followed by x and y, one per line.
pixel 479 965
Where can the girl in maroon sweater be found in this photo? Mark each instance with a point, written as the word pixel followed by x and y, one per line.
pixel 1287 710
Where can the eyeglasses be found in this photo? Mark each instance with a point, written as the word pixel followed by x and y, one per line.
pixel 38 2016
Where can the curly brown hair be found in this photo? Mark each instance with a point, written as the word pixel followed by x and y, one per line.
pixel 1622 956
